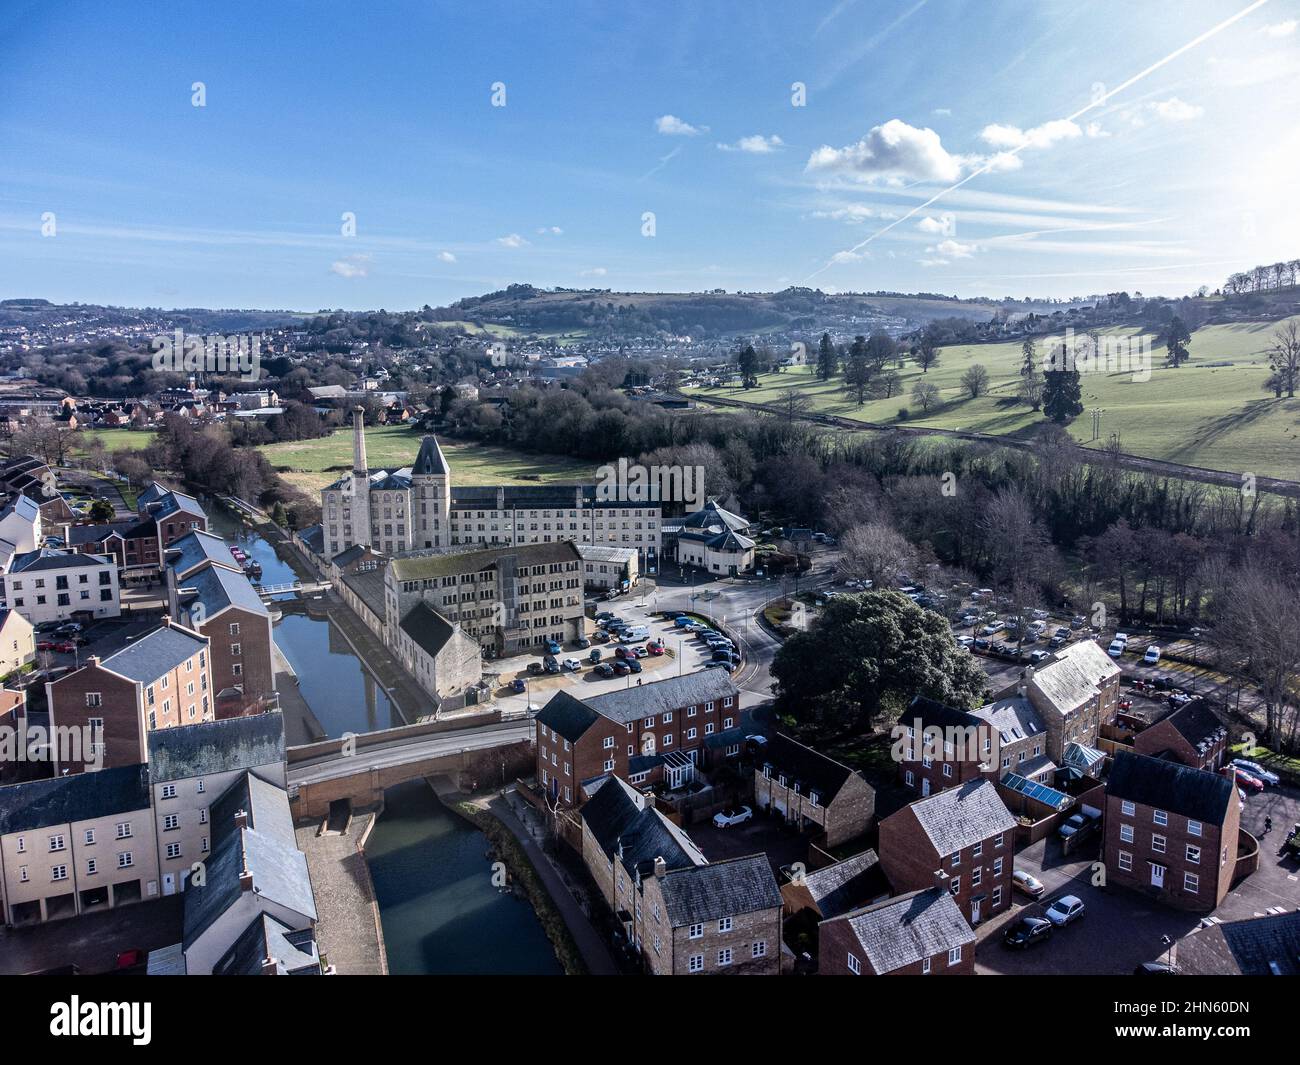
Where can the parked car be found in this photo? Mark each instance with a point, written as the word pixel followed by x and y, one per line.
pixel 1155 968
pixel 601 637
pixel 550 664
pixel 1078 621
pixel 1027 884
pixel 69 628
pixel 582 643
pixel 519 685
pixel 552 647
pixel 655 648
pixel 595 655
pixel 63 646
pixel 1247 781
pixel 730 667
pixel 1152 657
pixel 633 665
pixel 1256 770
pixel 1072 825
pixel 621 668
pixel 622 652
pixel 1039 656
pixel 1026 932
pixel 605 615
pixel 129 959
pixel 1115 649
pixel 571 664
pixel 727 818
pixel 1064 910
pixel 536 667
pixel 604 669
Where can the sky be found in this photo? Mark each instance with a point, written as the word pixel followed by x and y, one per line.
pixel 396 154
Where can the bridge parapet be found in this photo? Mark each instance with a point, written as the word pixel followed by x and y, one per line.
pixel 321 748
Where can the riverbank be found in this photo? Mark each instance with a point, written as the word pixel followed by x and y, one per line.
pixel 348 926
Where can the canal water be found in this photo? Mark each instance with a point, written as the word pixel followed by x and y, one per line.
pixel 439 910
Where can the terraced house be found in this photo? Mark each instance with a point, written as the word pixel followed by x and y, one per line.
pixel 644 734
pixel 921 933
pixel 47 586
pixel 812 791
pixel 1075 693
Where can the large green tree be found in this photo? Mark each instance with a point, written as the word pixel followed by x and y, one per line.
pixel 857 370
pixel 1062 395
pixel 867 656
pixel 748 363
pixel 827 358
pixel 1177 341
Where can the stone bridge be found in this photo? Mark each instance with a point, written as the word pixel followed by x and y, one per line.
pixel 360 767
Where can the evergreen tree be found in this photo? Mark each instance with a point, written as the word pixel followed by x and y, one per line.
pixel 857 370
pixel 1177 340
pixel 748 363
pixel 1062 395
pixel 827 358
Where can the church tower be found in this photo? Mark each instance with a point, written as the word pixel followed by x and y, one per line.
pixel 431 503
pixel 360 479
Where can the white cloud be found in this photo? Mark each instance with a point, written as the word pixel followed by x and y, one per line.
pixel 513 240
pixel 854 212
pixel 352 266
pixel 446 257
pixel 1281 29
pixel 1176 110
pixel 893 150
pixel 1044 136
pixel 954 249
pixel 756 144
pixel 933 225
pixel 848 256
pixel 941 112
pixel 1094 130
pixel 553 231
pixel 672 126
pixel 595 271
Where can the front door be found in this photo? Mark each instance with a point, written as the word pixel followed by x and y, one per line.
pixel 1157 876
pixel 925 786
pixel 975 910
pixel 169 883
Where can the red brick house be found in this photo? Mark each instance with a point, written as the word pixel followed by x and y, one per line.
pixel 939 746
pixel 965 834
pixel 922 933
pixel 811 791
pixel 1192 735
pixel 1171 831
pixel 643 734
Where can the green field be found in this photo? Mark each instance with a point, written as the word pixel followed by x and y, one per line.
pixel 119 439
pixel 1199 415
pixel 312 464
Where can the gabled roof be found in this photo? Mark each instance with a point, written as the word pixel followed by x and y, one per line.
pixel 839 888
pixel 269 940
pixel 902 931
pixel 813 770
pixel 712 516
pixel 1181 789
pixel 430 460
pixel 1013 716
pixel 629 830
pixel 153 654
pixel 567 716
pixel 97 534
pixel 1198 724
pixel 429 629
pixel 649 700
pixel 934 714
pixel 196 548
pixel 214 589
pixel 47 558
pixel 349 555
pixel 422 567
pixel 76 797
pixel 958 817
pixel 1073 675
pixel 719 889
pixel 1257 946
pixel 211 747
pixel 314 537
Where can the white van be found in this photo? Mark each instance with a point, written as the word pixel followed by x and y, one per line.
pixel 1152 657
pixel 636 634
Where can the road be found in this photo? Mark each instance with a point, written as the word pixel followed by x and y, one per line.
pixel 401 751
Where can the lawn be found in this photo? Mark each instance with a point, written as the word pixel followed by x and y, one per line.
pixel 1200 414
pixel 119 439
pixel 312 464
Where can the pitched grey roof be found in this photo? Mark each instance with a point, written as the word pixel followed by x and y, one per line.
pixel 1013 716
pixel 619 819
pixel 900 932
pixel 429 629
pixel 566 715
pixel 959 817
pixel 152 655
pixel 841 887
pixel 96 534
pixel 314 537
pixel 212 747
pixel 1198 724
pixel 349 555
pixel 1257 946
pixel 1194 793
pixel 421 567
pixel 1072 676
pixel 46 558
pixel 430 459
pixel 720 889
pixel 648 700
pixel 368 585
pixel 76 797
pixel 813 770
pixel 293 952
pixel 197 547
pixel 934 714
pixel 216 588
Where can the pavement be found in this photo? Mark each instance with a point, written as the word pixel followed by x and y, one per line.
pixel 93 941
pixel 347 925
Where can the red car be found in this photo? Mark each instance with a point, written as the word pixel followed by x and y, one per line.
pixel 1247 781
pixel 65 646
pixel 128 959
pixel 655 648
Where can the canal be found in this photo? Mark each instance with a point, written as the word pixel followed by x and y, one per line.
pixel 438 907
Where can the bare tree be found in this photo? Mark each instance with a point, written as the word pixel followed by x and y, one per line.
pixel 1259 615
pixel 925 395
pixel 877 552
pixel 1284 356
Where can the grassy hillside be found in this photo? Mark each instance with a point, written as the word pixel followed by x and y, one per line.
pixel 1200 414
pixel 312 464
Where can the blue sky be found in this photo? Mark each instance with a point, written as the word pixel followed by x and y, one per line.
pixel 385 110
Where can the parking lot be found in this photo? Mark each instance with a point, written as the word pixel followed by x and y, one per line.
pixel 683 653
pixel 759 835
pixel 1121 929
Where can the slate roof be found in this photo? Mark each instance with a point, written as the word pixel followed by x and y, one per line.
pixel 368 585
pixel 422 567
pixel 566 715
pixel 294 952
pixel 152 655
pixel 649 700
pixel 1194 793
pixel 217 588
pixel 719 889
pixel 1073 674
pixel 1197 723
pixel 430 460
pixel 934 714
pixel 1257 946
pixel 349 555
pixel 839 888
pixel 196 548
pixel 1013 716
pixel 76 797
pixel 958 817
pixel 813 770
pixel 718 540
pixel 429 629
pixel 46 558
pixel 314 537
pixel 212 747
pixel 618 818
pixel 900 932
pixel 713 516
pixel 97 534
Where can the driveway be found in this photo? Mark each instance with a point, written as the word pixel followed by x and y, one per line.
pixel 759 835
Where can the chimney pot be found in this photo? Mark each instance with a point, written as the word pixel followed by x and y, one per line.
pixel 941 879
pixel 241 819
pixel 661 866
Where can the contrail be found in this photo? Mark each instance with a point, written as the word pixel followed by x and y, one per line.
pixel 1212 31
